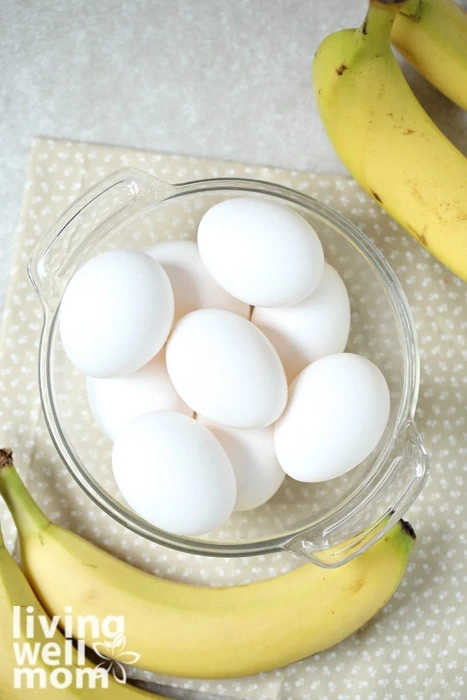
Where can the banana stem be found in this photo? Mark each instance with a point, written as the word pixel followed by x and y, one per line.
pixel 377 25
pixel 393 5
pixel 411 8
pixel 26 513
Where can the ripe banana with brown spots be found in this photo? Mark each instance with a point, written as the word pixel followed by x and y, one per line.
pixel 386 139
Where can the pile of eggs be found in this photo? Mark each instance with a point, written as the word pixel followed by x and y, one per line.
pixel 217 367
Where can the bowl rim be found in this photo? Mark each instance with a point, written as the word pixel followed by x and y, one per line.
pixel 404 416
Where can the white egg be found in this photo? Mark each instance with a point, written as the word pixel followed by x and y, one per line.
pixel 174 473
pixel 116 313
pixel 337 413
pixel 114 402
pixel 316 327
pixel 257 470
pixel 192 285
pixel 226 370
pixel 260 252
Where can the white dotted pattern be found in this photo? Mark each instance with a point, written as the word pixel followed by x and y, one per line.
pixel 416 647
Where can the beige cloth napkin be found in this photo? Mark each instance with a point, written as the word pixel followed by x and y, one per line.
pixel 415 648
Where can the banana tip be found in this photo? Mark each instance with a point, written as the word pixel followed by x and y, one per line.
pixel 408 529
pixel 6 457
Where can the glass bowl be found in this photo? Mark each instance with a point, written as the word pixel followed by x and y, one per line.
pixel 328 523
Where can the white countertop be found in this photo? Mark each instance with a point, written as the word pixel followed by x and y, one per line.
pixel 210 78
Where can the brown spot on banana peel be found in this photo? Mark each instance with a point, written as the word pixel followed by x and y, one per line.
pixel 376 196
pixel 406 131
pixel 415 191
pixel 421 238
pixel 407 528
pixel 358 585
pixel 90 595
pixel 341 69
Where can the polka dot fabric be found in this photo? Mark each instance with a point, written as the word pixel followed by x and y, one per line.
pixel 416 647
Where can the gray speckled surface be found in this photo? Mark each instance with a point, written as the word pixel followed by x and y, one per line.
pixel 206 77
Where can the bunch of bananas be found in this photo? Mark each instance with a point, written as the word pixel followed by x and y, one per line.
pixel 177 628
pixel 381 132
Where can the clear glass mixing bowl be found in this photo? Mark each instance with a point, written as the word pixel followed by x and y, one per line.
pixel 328 523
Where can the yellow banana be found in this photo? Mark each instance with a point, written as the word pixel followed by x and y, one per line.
pixel 197 631
pixel 62 676
pixel 386 139
pixel 432 36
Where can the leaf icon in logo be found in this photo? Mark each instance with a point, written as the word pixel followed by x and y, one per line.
pixel 119 673
pixel 129 657
pixel 110 652
pixel 105 665
pixel 102 649
pixel 118 645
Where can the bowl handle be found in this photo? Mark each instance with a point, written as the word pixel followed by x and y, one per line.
pixel 89 219
pixel 330 547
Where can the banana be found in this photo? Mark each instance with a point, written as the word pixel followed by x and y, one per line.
pixel 197 631
pixel 432 36
pixel 386 139
pixel 17 598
